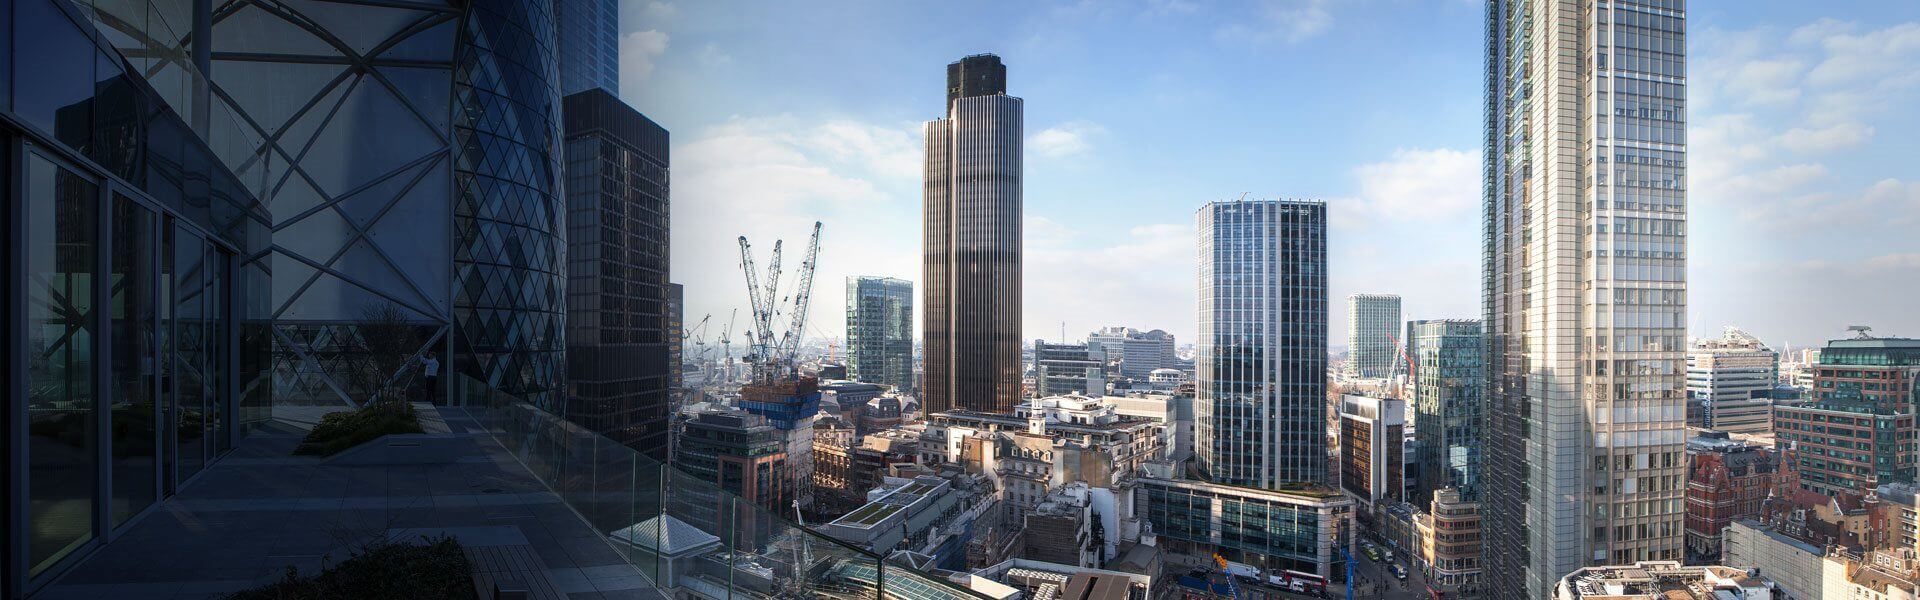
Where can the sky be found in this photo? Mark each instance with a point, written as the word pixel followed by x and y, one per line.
pixel 1804 184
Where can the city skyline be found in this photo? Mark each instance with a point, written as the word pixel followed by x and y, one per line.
pixel 1125 143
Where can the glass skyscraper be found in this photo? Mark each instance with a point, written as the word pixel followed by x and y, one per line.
pixel 621 327
pixel 1585 288
pixel 1373 321
pixel 1446 380
pixel 1260 405
pixel 972 261
pixel 587 38
pixel 880 331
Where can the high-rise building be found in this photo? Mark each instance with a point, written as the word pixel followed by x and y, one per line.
pixel 587 42
pixel 880 331
pixel 1132 353
pixel 1061 369
pixel 1585 287
pixel 972 262
pixel 1856 430
pixel 1261 361
pixel 1447 377
pixel 1730 383
pixel 1372 459
pixel 1373 322
pixel 622 331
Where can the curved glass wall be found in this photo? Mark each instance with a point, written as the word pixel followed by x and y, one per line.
pixel 509 251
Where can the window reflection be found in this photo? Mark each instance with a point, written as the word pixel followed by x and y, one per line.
pixel 61 444
pixel 189 360
pixel 131 303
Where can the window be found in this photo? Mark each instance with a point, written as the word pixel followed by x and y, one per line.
pixel 62 239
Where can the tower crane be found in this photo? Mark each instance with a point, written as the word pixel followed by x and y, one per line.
pixel 802 297
pixel 726 350
pixel 760 340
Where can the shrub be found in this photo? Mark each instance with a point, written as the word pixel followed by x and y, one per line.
pixel 339 431
pixel 432 569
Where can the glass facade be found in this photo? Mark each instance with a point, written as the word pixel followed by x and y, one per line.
pixel 620 308
pixel 1260 404
pixel 1266 529
pixel 1585 287
pixel 880 331
pixel 509 280
pixel 972 261
pixel 1446 381
pixel 1372 324
pixel 133 355
pixel 588 39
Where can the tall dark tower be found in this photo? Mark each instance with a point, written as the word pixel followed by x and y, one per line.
pixel 972 260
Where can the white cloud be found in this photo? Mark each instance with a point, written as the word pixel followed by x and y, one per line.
pixel 1091 278
pixel 770 178
pixel 1413 184
pixel 1171 7
pixel 1286 21
pixel 1066 139
pixel 637 51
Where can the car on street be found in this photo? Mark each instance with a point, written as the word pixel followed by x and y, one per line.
pixel 1399 572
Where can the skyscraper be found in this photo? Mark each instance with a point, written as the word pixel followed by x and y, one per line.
pixel 621 328
pixel 880 331
pixel 1373 320
pixel 1446 378
pixel 972 261
pixel 587 41
pixel 1585 287
pixel 1260 397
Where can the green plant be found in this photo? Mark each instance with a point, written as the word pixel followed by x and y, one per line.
pixel 434 568
pixel 339 431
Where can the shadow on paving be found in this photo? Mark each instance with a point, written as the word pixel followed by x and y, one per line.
pixel 261 509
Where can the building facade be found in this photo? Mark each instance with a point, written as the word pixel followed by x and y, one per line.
pixel 587 42
pixel 1372 459
pixel 1730 383
pixel 1856 429
pixel 972 260
pixel 880 331
pixel 1585 288
pixel 1727 481
pixel 1061 369
pixel 622 331
pixel 1447 377
pixel 1450 539
pixel 1261 360
pixel 294 208
pixel 1373 325
pixel 1302 529
pixel 1132 353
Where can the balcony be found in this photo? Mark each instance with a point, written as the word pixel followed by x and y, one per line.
pixel 536 502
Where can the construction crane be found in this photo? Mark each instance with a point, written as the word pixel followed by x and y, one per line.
pixel 760 340
pixel 802 297
pixel 726 350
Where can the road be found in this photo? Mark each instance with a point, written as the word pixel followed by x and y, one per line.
pixel 1371 580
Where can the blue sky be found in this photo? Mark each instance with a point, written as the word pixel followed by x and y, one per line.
pixel 1804 184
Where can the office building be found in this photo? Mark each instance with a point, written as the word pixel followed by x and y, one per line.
pixel 1372 460
pixel 1299 529
pixel 973 243
pixel 880 331
pixel 1449 537
pixel 1175 411
pixel 1856 430
pixel 1131 353
pixel 1261 361
pixel 1373 327
pixel 1728 480
pixel 1585 288
pixel 587 45
pixel 1047 443
pixel 740 454
pixel 622 324
pixel 1730 383
pixel 1061 369
pixel 1446 379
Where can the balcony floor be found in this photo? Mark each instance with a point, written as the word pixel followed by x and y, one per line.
pixel 261 509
